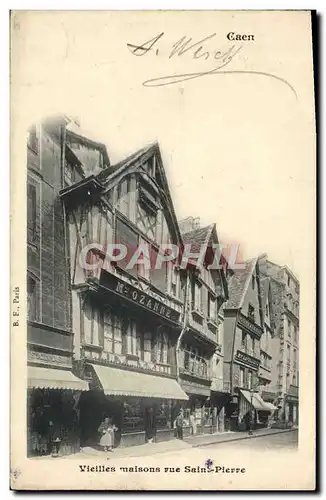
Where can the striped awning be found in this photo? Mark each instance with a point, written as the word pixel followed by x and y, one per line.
pixel 51 378
pixel 119 382
pixel 256 400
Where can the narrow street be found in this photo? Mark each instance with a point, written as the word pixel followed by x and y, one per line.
pixel 286 441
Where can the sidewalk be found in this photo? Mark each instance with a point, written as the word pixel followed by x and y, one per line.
pixel 176 444
pixel 173 445
pixel 224 437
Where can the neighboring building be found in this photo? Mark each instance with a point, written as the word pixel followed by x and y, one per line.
pixel 266 342
pixel 126 322
pixel 201 345
pixel 53 390
pixel 285 367
pixel 243 330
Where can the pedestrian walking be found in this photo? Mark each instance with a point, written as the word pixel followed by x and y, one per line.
pixel 179 425
pixel 192 421
pixel 107 429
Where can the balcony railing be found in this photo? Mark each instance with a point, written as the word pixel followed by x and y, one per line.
pixel 196 372
pixel 203 325
pixel 220 385
pixel 247 350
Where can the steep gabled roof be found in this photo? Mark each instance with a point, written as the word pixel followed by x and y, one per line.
pixel 113 174
pixel 84 137
pixel 123 164
pixel 238 284
pixel 198 237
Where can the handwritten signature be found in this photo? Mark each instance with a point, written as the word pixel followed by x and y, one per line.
pixel 196 50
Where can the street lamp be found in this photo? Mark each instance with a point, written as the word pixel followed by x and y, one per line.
pixel 251 413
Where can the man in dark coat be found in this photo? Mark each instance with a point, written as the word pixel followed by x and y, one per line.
pixel 179 425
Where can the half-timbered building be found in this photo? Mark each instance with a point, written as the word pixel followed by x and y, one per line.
pixel 126 318
pixel 243 330
pixel 201 345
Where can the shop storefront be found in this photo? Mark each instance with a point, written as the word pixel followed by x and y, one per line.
pixel 253 410
pixel 198 410
pixel 52 411
pixel 142 406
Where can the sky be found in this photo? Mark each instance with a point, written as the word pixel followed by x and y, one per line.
pixel 237 148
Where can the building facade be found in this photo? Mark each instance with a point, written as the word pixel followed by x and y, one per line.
pixel 201 346
pixel 127 319
pixel 285 367
pixel 119 327
pixel 266 342
pixel 243 331
pixel 53 390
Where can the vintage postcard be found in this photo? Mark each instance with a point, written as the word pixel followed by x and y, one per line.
pixel 163 250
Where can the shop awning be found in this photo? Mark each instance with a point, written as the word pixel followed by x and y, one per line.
pixel 51 378
pixel 270 406
pixel 257 402
pixel 117 382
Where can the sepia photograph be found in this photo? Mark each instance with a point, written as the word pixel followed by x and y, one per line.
pixel 163 177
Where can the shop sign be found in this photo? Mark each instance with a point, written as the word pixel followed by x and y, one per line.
pixel 250 325
pixel 246 359
pixel 138 297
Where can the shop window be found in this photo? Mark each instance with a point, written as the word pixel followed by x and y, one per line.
pixel 31 213
pixel 133 418
pixel 163 415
